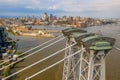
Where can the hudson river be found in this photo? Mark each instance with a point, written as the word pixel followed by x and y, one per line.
pixel 55 73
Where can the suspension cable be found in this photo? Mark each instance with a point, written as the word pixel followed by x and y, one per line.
pixel 32 53
pixel 117 49
pixel 39 61
pixel 52 65
pixel 30 50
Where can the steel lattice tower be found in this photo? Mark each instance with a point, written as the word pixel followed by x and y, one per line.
pixel 89 64
pixel 71 70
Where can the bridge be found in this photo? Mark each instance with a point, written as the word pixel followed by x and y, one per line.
pixel 84 56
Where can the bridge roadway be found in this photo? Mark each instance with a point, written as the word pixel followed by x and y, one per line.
pixel 48 75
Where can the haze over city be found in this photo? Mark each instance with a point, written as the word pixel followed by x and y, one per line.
pixel 88 8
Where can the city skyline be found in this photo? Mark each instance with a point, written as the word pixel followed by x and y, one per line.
pixel 88 8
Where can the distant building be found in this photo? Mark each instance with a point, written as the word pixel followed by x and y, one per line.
pixel 81 24
pixel 77 18
pixel 33 17
pixel 5 42
pixel 70 19
pixel 51 17
pixel 45 17
pixel 3 35
pixel 64 18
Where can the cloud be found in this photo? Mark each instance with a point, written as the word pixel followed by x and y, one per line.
pixel 91 7
pixel 6 1
pixel 54 7
pixel 29 7
pixel 88 7
pixel 101 5
pixel 34 4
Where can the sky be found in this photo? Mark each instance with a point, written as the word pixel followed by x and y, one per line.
pixel 88 8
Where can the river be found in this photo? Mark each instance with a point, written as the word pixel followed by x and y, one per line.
pixel 112 59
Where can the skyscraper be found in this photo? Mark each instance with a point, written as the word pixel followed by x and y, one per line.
pixel 45 17
pixel 51 17
pixel 2 35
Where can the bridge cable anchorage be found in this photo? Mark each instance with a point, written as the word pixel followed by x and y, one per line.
pixel 31 49
pixel 52 65
pixel 38 61
pixel 32 53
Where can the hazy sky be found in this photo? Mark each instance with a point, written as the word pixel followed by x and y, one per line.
pixel 92 8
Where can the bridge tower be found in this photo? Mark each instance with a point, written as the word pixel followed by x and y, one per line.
pixel 89 64
pixel 70 70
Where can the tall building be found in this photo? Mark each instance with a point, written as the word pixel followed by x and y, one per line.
pixel 2 35
pixel 51 17
pixel 5 41
pixel 45 17
pixel 64 18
